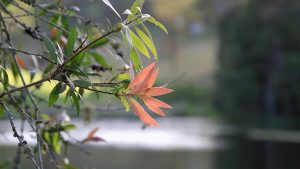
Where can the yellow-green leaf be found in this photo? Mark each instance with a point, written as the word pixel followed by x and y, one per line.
pixel 147 41
pixel 139 44
pixel 157 23
pixel 125 103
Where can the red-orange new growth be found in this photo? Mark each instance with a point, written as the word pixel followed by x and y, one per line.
pixel 142 86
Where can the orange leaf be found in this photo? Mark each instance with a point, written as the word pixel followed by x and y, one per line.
pixel 149 80
pixel 142 114
pixel 155 109
pixel 92 133
pixel 154 91
pixel 141 76
pixel 21 62
pixel 154 101
pixel 152 78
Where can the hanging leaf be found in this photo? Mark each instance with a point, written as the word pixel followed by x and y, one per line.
pixel 50 47
pixel 54 94
pixel 71 42
pixel 135 59
pixel 146 30
pixel 147 41
pixel 111 7
pixel 4 78
pixel 76 103
pixel 139 44
pixel 56 142
pixel 157 23
pixel 125 103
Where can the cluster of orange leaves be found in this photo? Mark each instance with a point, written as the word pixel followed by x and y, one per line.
pixel 142 86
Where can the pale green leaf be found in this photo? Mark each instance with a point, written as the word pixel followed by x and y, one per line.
pixel 125 103
pixel 147 41
pixel 157 23
pixel 139 44
pixel 135 8
pixel 135 59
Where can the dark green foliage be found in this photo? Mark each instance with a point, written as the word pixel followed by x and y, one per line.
pixel 259 59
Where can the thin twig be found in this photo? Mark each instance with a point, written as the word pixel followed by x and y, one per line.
pixel 26 52
pixel 22 143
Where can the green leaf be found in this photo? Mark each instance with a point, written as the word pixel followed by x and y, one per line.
pixel 157 23
pixel 134 8
pixel 4 79
pixel 2 111
pixel 139 44
pixel 68 127
pixel 54 94
pixel 77 61
pixel 135 59
pixel 100 59
pixel 71 42
pixel 65 22
pixel 146 30
pixel 50 47
pixel 99 43
pixel 76 103
pixel 147 41
pixel 82 83
pixel 56 142
pixel 125 103
pixel 15 71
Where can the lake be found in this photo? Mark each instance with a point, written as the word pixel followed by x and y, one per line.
pixel 180 143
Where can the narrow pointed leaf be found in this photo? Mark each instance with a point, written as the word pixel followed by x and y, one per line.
pixel 125 103
pixel 54 94
pixel 157 23
pixel 142 114
pixel 50 47
pixel 155 91
pixel 155 109
pixel 139 44
pixel 135 59
pixel 149 43
pixel 140 77
pixel 134 8
pixel 154 101
pixel 71 42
